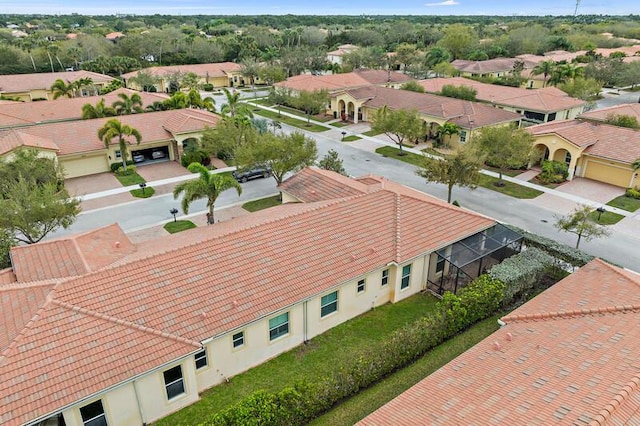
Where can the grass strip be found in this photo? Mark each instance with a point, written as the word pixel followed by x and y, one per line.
pixel 130 178
pixel 178 226
pixel 606 218
pixel 143 193
pixel 408 157
pixel 291 121
pixel 262 203
pixel 370 133
pixel 359 406
pixel 508 188
pixel 625 203
pixel 351 138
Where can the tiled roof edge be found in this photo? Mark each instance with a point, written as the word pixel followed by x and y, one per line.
pixel 573 313
pixel 618 399
pixel 125 323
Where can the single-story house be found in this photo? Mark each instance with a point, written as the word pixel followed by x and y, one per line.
pixel 361 105
pixel 220 74
pixel 570 356
pixel 335 56
pixel 592 150
pixel 19 114
pixel 37 86
pixel 631 110
pixel 80 152
pixel 337 82
pixel 497 67
pixel 535 105
pixel 98 330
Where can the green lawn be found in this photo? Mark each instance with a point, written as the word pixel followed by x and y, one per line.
pixel 509 188
pixel 339 124
pixel 409 157
pixel 309 362
pixel 625 203
pixel 179 225
pixel 322 118
pixel 291 121
pixel 508 172
pixel 131 178
pixel 263 203
pixel 359 406
pixel 370 133
pixel 351 138
pixel 146 193
pixel 606 218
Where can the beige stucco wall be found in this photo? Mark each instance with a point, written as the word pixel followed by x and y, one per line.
pixel 286 198
pixel 557 147
pixel 119 404
pixel 43 153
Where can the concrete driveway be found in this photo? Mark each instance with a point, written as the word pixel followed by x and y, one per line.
pixel 591 190
pixel 164 170
pixel 93 183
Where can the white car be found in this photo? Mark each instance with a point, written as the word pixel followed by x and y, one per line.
pixel 138 158
pixel 158 154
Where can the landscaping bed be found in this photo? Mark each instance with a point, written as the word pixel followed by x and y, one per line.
pixel 351 138
pixel 508 188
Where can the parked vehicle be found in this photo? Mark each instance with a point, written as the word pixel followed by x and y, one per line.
pixel 158 154
pixel 252 173
pixel 138 158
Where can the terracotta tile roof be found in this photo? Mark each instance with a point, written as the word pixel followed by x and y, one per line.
pixel 82 135
pixel 155 305
pixel 601 140
pixel 334 82
pixel 466 114
pixel 548 99
pixel 70 256
pixel 25 113
pixel 12 139
pixel 12 83
pixel 632 110
pixel 488 66
pixel 569 356
pixel 7 276
pixel 219 69
pixel 312 184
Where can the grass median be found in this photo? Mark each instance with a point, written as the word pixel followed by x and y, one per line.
pixel 291 121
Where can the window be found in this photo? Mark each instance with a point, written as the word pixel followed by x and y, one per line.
pixel 440 264
pixel 361 286
pixel 328 304
pixel 406 277
pixel 463 136
pixel 118 154
pixel 238 339
pixel 279 326
pixel 385 277
pixel 173 382
pixel 93 414
pixel 201 359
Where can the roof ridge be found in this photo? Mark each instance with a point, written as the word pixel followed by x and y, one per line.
pixel 396 225
pixel 74 241
pixel 125 323
pixel 29 284
pixel 618 399
pixel 572 313
pixel 49 299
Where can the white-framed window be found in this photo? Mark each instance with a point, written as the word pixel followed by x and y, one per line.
pixel 93 414
pixel 118 153
pixel 406 277
pixel 361 286
pixel 238 339
pixel 201 359
pixel 463 136
pixel 173 382
pixel 440 264
pixel 328 304
pixel 279 326
pixel 385 278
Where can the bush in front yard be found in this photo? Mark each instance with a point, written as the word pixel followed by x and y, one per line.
pixel 115 166
pixel 633 193
pixel 553 172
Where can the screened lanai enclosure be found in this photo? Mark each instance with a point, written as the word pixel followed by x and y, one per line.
pixel 460 263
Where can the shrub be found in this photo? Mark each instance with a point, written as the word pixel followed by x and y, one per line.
pixel 632 193
pixel 122 172
pixel 560 251
pixel 553 172
pixel 195 156
pixel 456 203
pixel 116 166
pixel 207 87
pixel 521 272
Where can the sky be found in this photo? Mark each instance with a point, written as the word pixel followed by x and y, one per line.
pixel 322 7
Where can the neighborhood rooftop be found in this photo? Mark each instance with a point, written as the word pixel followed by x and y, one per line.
pixel 12 83
pixel 632 110
pixel 219 69
pixel 333 82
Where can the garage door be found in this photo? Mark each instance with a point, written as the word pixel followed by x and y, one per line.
pixel 85 166
pixel 607 173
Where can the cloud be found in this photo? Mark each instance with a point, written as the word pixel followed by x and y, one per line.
pixel 444 3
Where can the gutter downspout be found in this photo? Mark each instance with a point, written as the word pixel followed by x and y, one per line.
pixel 140 410
pixel 304 321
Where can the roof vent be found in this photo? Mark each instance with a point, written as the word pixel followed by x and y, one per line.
pixel 116 244
pixel 496 345
pixel 509 337
pixel 235 303
pixel 203 314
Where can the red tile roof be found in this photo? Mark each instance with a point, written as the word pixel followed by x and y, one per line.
pixel 155 305
pixel 334 82
pixel 465 114
pixel 488 66
pixel 311 184
pixel 569 356
pixel 219 69
pixel 12 139
pixel 13 83
pixel 82 135
pixel 548 99
pixel 601 140
pixel 632 110
pixel 25 113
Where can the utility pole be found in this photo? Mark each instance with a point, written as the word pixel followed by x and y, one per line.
pixel 575 12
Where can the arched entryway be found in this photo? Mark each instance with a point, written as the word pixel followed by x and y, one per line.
pixel 542 153
pixel 342 110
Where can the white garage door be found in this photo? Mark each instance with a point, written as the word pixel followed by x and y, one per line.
pixel 85 166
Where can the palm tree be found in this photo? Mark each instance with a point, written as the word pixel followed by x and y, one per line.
pixel 233 102
pixel 447 129
pixel 194 100
pixel 81 83
pixel 636 165
pixel 128 104
pixel 177 101
pixel 156 106
pixel 545 68
pixel 115 129
pixel 208 186
pixel 60 88
pixel 98 111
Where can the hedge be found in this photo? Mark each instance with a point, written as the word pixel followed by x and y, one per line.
pixel 560 251
pixel 303 402
pixel 115 166
pixel 522 271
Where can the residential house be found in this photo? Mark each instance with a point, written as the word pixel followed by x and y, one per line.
pixel 37 86
pixel 592 150
pixel 362 104
pixel 98 330
pixel 569 356
pixel 337 82
pixel 221 74
pixel 19 114
pixel 498 67
pixel 80 152
pixel 335 56
pixel 602 114
pixel 535 106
